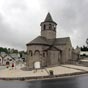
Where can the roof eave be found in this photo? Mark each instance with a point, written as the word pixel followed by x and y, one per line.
pixel 37 44
pixel 48 21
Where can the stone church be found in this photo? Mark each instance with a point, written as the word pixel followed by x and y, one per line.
pixel 47 50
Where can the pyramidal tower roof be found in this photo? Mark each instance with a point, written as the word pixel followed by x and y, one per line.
pixel 49 18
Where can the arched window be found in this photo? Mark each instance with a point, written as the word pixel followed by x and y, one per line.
pixel 50 26
pixel 69 49
pixel 54 28
pixel 44 54
pixel 7 58
pixel 37 52
pixel 30 53
pixel 44 26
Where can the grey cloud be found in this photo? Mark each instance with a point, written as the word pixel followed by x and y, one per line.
pixel 78 21
pixel 8 37
pixel 72 18
pixel 70 15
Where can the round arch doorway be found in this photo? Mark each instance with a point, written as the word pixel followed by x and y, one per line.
pixel 7 63
pixel 37 65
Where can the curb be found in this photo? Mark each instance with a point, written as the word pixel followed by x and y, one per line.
pixel 44 77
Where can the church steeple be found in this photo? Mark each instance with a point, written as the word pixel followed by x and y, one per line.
pixel 48 18
pixel 48 27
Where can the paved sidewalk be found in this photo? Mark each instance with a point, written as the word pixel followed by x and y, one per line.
pixel 7 73
pixel 82 68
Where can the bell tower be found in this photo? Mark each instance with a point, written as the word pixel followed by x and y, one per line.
pixel 48 27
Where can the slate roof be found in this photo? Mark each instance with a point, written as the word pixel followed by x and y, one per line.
pixel 15 56
pixel 43 41
pixel 49 19
pixel 62 41
pixel 9 56
pixel 39 40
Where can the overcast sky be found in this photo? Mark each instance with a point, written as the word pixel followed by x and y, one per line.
pixel 20 20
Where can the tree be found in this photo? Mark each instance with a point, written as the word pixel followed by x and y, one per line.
pixel 84 48
pixel 3 50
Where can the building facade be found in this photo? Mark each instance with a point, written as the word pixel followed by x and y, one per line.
pixel 47 50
